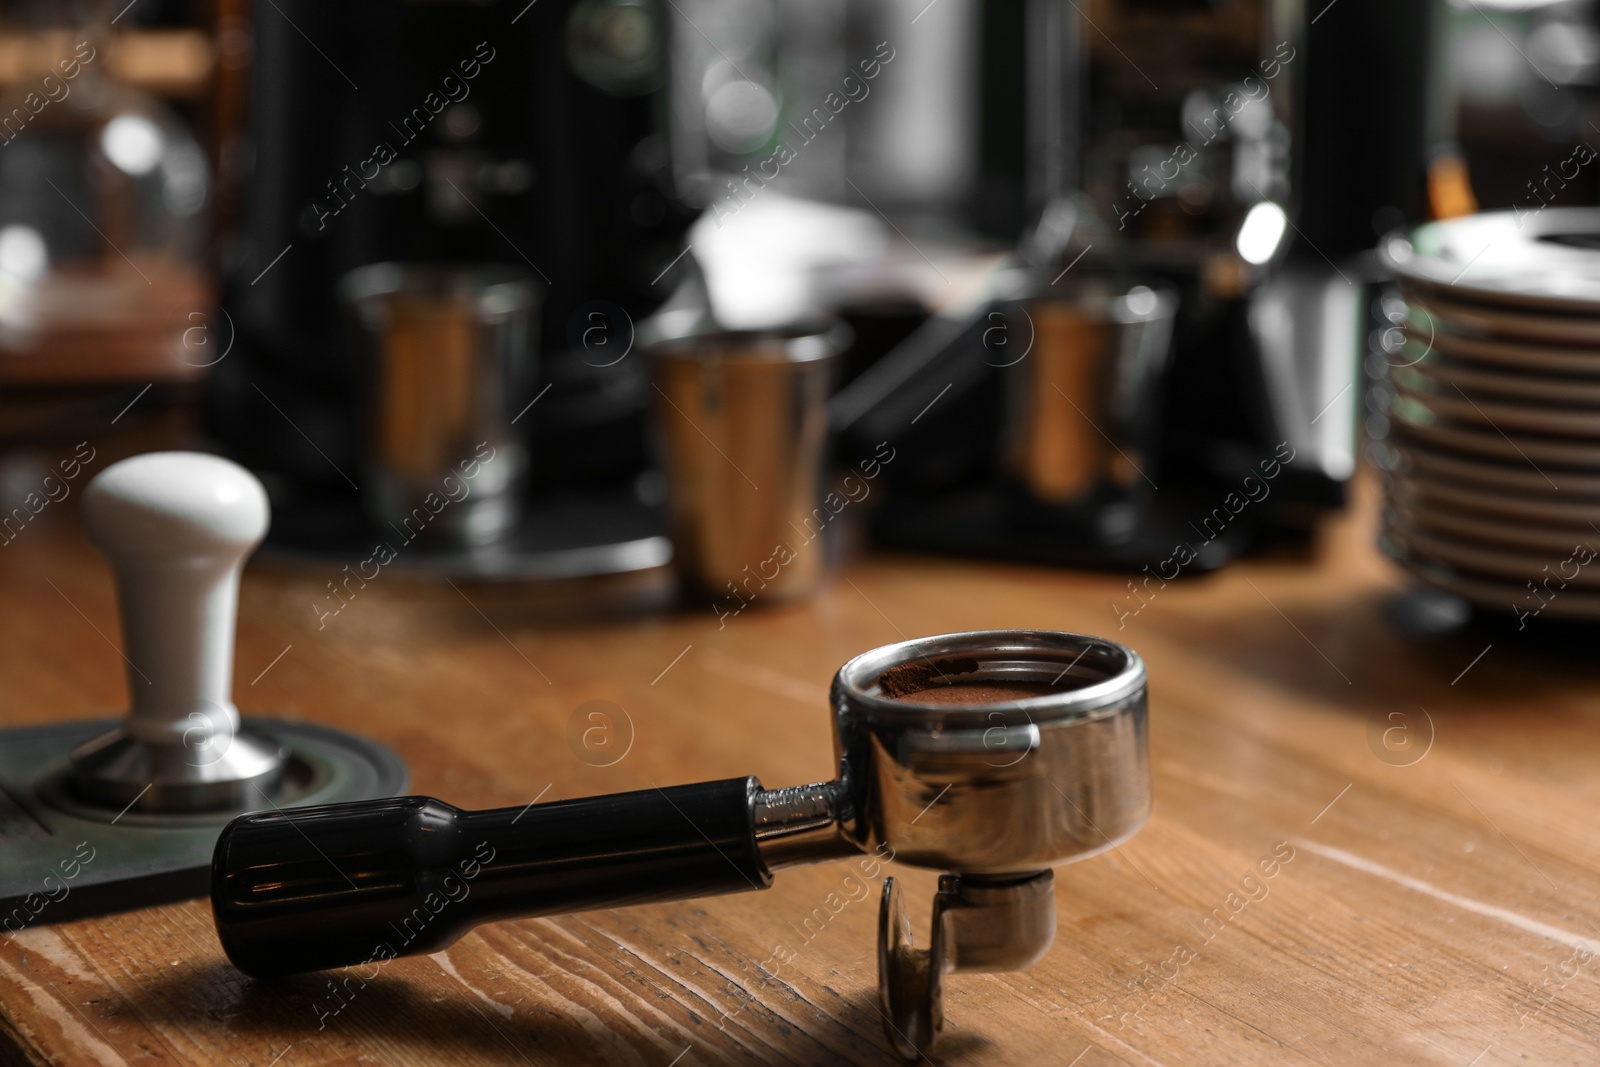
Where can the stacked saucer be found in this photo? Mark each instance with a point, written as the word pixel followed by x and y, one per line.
pixel 1488 415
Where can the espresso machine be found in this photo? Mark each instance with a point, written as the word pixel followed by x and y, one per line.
pixel 1222 152
pixel 501 135
pixel 1205 154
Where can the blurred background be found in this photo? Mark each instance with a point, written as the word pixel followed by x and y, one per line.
pixel 1088 271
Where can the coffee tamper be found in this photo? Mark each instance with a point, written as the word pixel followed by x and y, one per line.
pixel 177 527
pixel 145 797
pixel 991 755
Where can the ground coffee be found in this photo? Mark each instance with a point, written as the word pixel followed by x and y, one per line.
pixel 951 682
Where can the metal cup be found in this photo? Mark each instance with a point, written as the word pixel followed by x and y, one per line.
pixel 1083 397
pixel 449 362
pixel 742 422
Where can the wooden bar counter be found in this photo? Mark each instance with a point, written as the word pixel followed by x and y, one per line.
pixel 1434 910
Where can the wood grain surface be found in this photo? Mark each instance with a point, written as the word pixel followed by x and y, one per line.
pixel 1442 912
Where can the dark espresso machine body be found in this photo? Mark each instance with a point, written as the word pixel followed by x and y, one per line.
pixel 1175 122
pixel 402 130
pixel 1267 358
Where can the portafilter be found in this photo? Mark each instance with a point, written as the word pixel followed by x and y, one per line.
pixel 990 755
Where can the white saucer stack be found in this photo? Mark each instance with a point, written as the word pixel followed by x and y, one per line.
pixel 1488 425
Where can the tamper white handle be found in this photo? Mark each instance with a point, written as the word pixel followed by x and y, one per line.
pixel 177 527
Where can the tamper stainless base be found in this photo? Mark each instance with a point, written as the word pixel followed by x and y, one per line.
pixel 117 770
pixel 122 857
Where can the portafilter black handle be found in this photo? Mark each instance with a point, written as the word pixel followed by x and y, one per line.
pixel 305 889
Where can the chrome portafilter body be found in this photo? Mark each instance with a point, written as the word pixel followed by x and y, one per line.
pixel 994 787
